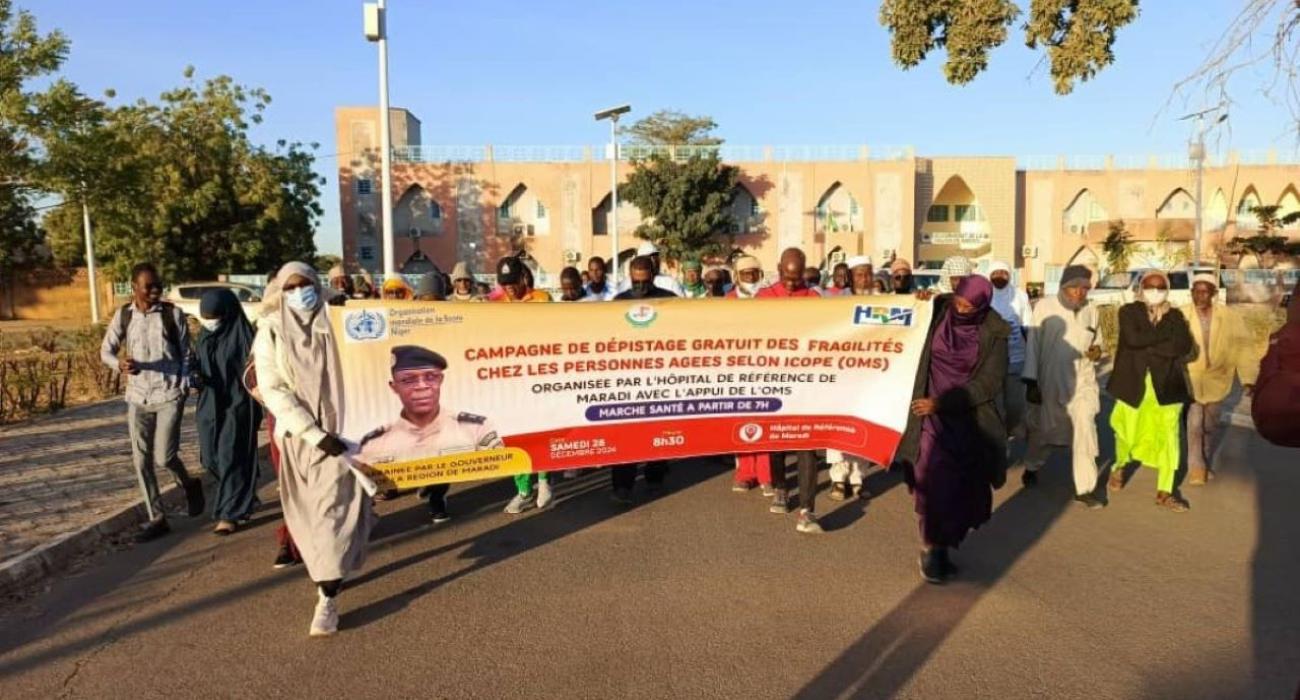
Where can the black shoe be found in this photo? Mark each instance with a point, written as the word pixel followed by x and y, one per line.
pixel 780 502
pixel 1091 501
pixel 285 558
pixel 438 510
pixel 1029 479
pixel 194 501
pixel 152 531
pixel 654 489
pixel 934 565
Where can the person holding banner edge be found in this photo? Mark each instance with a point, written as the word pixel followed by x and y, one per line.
pixel 848 472
pixel 954 447
pixel 301 383
pixel 791 285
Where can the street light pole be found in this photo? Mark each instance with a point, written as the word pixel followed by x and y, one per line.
pixel 376 29
pixel 612 114
pixel 613 195
pixel 1196 152
pixel 90 261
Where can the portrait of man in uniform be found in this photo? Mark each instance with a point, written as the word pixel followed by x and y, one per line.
pixel 425 428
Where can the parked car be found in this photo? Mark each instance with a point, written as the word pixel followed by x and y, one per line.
pixel 187 296
pixel 925 279
pixel 1119 288
pixel 1260 286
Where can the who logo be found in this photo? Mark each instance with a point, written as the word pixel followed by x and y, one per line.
pixel 366 325
pixel 864 315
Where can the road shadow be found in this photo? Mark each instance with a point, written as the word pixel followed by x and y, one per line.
pixel 878 482
pixel 880 663
pixel 589 506
pixel 1275 568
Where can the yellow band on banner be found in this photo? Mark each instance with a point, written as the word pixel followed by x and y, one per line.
pixel 437 392
pixel 473 466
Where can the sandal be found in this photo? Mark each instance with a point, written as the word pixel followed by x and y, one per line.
pixel 1173 503
pixel 1116 481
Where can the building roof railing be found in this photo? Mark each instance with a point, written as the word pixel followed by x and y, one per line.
pixel 732 153
pixel 1168 161
pixel 601 153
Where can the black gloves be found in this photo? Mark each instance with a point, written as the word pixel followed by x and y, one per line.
pixel 332 445
pixel 1033 394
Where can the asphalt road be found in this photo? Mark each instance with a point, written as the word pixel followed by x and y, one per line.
pixel 704 594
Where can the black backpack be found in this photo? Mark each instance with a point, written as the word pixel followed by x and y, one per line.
pixel 171 332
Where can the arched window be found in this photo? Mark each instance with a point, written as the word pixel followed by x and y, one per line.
pixel 746 214
pixel 838 210
pixel 1178 205
pixel 416 211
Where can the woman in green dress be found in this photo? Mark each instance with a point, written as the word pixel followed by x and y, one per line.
pixel 1149 383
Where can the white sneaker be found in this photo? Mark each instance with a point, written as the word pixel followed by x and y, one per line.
pixel 544 494
pixel 807 523
pixel 325 621
pixel 519 503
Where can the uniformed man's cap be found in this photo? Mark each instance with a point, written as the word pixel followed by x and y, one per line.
pixel 416 357
pixel 509 270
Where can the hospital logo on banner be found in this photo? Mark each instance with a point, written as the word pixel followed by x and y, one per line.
pixel 366 325
pixel 751 433
pixel 882 316
pixel 641 315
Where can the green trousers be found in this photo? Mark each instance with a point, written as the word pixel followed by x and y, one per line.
pixel 1148 434
pixel 524 482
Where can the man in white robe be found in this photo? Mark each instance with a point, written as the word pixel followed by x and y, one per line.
pixel 1060 372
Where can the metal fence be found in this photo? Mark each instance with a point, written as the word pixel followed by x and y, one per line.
pixel 1166 161
pixel 602 152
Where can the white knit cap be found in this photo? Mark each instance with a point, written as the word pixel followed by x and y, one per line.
pixel 858 261
pixel 647 248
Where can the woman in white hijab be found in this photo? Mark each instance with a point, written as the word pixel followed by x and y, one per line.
pixel 298 376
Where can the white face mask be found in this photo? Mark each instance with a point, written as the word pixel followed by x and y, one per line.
pixel 302 298
pixel 1155 297
pixel 210 324
pixel 748 287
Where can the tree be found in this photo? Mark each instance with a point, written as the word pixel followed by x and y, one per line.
pixel 325 261
pixel 1118 246
pixel 1267 243
pixel 686 203
pixel 25 56
pixel 1264 35
pixel 180 183
pixel 1078 35
pixel 671 128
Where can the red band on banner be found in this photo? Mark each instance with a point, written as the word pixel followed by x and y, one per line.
pixel 622 443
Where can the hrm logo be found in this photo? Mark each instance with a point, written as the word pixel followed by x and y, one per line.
pixel 882 315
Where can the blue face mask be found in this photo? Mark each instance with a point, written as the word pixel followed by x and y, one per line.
pixel 302 298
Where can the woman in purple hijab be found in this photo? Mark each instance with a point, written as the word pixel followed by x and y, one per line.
pixel 954 448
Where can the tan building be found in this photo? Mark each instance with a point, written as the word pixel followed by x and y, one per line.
pixel 480 203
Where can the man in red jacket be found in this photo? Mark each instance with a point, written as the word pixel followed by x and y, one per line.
pixel 791 284
pixel 1275 406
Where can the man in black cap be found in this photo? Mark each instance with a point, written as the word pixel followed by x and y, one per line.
pixel 515 279
pixel 1061 352
pixel 424 428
